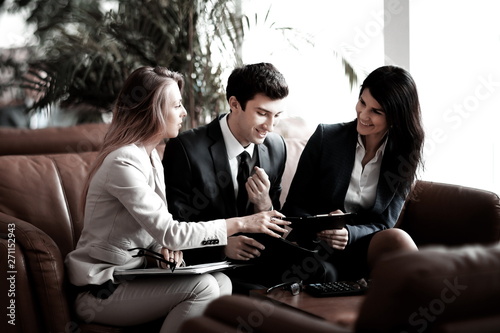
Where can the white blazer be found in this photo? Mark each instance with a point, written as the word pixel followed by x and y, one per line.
pixel 126 208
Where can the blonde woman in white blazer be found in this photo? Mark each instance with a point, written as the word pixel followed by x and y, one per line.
pixel 125 208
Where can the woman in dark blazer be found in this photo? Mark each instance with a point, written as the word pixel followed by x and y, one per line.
pixel 365 167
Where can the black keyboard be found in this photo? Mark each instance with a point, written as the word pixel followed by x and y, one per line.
pixel 338 288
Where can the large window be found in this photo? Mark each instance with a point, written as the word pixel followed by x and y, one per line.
pixel 452 50
pixel 322 29
pixel 451 47
pixel 455 59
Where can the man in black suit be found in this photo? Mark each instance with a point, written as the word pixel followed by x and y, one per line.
pixel 201 164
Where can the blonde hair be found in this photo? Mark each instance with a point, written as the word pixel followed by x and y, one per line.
pixel 139 114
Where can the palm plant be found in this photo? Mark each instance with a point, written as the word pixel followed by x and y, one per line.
pixel 85 51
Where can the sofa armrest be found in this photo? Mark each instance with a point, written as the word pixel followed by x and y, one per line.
pixel 46 272
pixel 18 295
pixel 437 285
pixel 446 214
pixel 247 314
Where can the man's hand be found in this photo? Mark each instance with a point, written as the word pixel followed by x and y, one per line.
pixel 242 248
pixel 258 186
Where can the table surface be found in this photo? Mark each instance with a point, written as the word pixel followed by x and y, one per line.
pixel 342 310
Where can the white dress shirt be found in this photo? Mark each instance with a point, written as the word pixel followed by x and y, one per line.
pixel 362 189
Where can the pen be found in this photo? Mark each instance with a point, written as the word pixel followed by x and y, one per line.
pixel 142 252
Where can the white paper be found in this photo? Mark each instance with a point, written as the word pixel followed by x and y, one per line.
pixel 186 270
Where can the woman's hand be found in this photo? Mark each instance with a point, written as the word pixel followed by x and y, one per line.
pixel 265 222
pixel 335 238
pixel 336 212
pixel 172 256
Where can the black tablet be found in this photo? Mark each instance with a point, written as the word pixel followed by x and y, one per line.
pixel 317 223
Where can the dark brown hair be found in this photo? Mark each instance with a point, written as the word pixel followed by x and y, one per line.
pixel 396 92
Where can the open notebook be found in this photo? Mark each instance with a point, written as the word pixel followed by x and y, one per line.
pixel 187 270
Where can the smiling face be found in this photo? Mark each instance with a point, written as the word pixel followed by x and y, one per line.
pixel 175 111
pixel 372 121
pixel 259 118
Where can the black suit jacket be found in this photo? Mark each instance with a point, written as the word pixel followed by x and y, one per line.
pixel 198 179
pixel 323 174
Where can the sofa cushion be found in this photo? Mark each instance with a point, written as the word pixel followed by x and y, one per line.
pixel 46 190
pixel 294 148
pixel 414 291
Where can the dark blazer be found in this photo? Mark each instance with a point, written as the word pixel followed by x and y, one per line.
pixel 323 174
pixel 198 179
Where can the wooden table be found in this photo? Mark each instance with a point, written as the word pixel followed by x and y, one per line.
pixel 339 310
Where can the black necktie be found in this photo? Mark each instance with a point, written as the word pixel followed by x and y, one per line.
pixel 243 173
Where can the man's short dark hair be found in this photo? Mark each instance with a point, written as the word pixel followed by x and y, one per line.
pixel 247 81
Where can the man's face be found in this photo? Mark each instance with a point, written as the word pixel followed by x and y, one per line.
pixel 260 116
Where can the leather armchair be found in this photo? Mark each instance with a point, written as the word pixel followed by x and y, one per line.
pixel 435 290
pixel 438 289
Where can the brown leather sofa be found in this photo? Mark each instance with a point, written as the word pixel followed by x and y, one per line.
pixel 451 285
pixel 40 223
pixel 41 178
